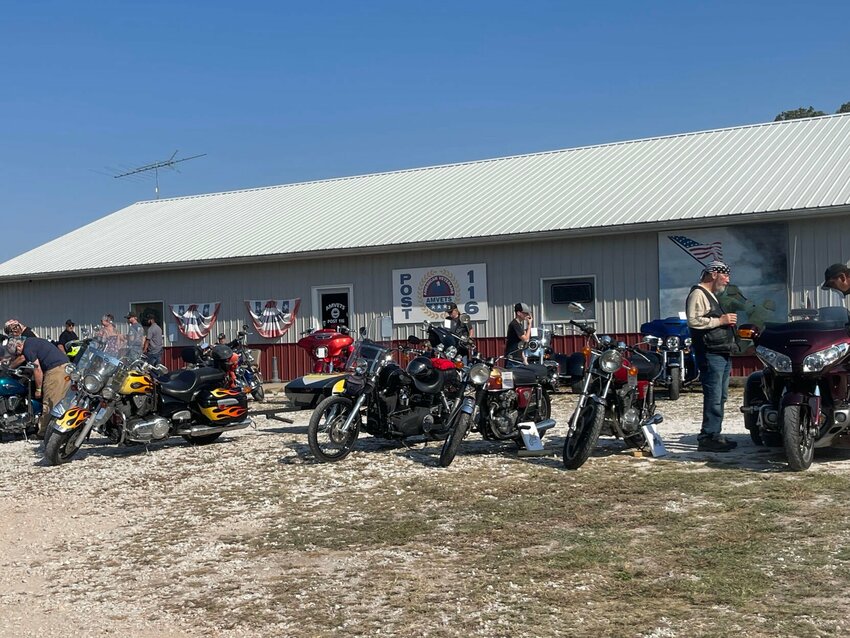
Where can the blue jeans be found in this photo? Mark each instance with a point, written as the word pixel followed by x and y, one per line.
pixel 714 370
pixel 154 359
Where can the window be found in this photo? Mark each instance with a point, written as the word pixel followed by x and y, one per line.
pixel 559 293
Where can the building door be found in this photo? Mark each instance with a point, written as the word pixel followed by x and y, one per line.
pixel 332 306
pixel 143 309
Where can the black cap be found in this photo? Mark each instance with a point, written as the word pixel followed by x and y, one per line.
pixel 831 273
pixel 451 306
pixel 68 322
pixel 522 307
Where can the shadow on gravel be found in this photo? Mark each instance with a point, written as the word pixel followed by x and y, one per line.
pixel 102 448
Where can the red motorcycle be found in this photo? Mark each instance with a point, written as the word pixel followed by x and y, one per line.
pixel 329 348
pixel 801 399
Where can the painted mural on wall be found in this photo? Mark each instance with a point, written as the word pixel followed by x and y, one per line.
pixel 425 293
pixel 272 317
pixel 195 320
pixel 756 255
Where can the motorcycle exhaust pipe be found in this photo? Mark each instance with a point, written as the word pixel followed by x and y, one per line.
pixel 203 431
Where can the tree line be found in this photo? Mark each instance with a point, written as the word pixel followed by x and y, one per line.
pixel 810 111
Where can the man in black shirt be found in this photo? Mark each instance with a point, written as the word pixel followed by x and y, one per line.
pixel 519 332
pixel 457 326
pixel 51 382
pixel 67 335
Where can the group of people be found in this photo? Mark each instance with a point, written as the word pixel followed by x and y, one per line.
pixel 50 358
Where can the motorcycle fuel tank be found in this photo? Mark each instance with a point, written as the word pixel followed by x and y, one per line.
pixel 10 387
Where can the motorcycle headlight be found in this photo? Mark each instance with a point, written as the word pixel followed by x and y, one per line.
pixel 776 360
pixel 360 366
pixel 92 383
pixel 533 344
pixel 451 352
pixel 672 342
pixel 816 361
pixel 610 361
pixel 479 374
pixel 321 352
pixel 108 393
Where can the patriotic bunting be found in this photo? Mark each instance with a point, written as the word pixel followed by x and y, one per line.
pixel 195 320
pixel 272 317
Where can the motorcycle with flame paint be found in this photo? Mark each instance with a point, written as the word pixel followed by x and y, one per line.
pixel 116 393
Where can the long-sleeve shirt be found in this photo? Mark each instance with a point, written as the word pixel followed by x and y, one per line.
pixel 697 307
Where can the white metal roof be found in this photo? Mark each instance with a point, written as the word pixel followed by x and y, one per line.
pixel 779 166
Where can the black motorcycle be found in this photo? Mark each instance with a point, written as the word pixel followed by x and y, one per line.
pixel 386 400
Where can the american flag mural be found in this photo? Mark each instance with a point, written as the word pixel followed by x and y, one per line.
pixel 195 320
pixel 703 253
pixel 273 317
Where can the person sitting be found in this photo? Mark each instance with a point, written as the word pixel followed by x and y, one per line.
pixel 456 326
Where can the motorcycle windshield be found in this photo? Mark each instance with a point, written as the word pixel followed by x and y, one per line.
pixel 367 355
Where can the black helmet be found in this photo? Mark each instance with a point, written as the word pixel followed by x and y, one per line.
pixel 423 370
pixel 221 352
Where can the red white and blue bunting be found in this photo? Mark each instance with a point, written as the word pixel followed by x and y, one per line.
pixel 272 317
pixel 195 320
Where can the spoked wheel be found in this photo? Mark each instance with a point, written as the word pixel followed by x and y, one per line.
pixel 798 437
pixel 577 448
pixel 61 446
pixel 452 443
pixel 328 442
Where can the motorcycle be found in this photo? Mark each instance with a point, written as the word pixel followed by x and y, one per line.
pixel 20 411
pixel 329 350
pixel 672 341
pixel 568 369
pixel 120 395
pixel 384 399
pixel 248 375
pixel 499 403
pixel 800 400
pixel 617 396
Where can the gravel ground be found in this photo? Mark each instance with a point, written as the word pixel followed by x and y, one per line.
pixel 108 544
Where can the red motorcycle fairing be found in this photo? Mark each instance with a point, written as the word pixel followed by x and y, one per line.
pixel 338 345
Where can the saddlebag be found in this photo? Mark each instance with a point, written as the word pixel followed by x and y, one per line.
pixel 223 405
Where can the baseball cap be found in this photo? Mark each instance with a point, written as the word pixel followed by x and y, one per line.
pixel 831 273
pixel 718 266
pixel 68 322
pixel 522 307
pixel 451 306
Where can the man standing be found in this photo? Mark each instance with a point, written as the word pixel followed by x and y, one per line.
pixel 837 277
pixel 519 332
pixel 713 334
pixel 153 342
pixel 135 333
pixel 50 378
pixel 67 335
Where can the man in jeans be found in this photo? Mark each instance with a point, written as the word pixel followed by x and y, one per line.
pixel 713 334
pixel 153 341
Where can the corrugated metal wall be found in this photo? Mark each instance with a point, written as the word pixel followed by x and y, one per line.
pixel 625 266
pixel 812 246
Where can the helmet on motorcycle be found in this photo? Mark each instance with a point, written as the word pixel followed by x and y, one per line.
pixel 422 370
pixel 221 353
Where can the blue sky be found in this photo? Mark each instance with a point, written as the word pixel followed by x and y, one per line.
pixel 279 92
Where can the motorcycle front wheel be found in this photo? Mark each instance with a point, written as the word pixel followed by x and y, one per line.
pixel 259 393
pixel 327 441
pixel 797 437
pixel 61 446
pixel 456 435
pixel 675 387
pixel 577 448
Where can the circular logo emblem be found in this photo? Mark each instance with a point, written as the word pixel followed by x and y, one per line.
pixel 437 291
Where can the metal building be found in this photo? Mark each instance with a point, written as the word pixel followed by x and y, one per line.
pixel 621 227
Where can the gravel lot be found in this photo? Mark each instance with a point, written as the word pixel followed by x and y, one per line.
pixel 113 543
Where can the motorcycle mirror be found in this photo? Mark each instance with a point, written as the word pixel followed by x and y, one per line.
pixel 245 327
pixel 161 369
pixel 464 319
pixel 576 308
pixel 363 331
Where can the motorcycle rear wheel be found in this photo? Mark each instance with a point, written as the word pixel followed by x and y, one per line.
pixel 61 446
pixel 675 387
pixel 456 435
pixel 327 443
pixel 259 393
pixel 577 448
pixel 798 438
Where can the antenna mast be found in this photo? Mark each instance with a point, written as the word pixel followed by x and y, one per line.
pixel 155 166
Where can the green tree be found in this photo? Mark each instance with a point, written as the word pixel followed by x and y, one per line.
pixel 844 108
pixel 797 114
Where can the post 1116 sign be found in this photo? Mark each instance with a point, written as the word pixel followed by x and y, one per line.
pixel 425 293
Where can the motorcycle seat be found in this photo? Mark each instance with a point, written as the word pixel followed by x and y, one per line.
pixel 647 369
pixel 184 384
pixel 530 374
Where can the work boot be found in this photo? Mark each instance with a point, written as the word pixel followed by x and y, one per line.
pixel 729 442
pixel 714 445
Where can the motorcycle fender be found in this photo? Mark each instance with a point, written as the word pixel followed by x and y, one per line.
pixel 802 398
pixel 73 418
pixel 339 386
pixel 468 405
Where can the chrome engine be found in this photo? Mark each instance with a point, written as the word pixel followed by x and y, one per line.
pixel 504 412
pixel 144 430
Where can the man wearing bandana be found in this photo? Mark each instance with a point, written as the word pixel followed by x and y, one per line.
pixel 713 333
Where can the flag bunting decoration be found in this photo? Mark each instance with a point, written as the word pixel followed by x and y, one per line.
pixel 195 320
pixel 272 317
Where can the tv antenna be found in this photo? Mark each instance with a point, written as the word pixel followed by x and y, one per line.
pixel 155 166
